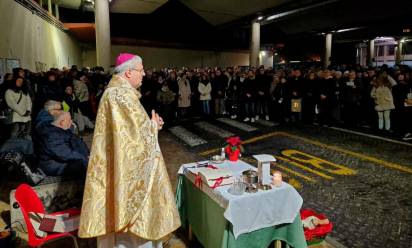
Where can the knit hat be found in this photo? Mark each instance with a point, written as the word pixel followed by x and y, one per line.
pixel 124 57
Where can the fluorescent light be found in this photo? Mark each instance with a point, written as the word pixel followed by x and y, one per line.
pixel 272 17
pixel 347 29
pixel 260 18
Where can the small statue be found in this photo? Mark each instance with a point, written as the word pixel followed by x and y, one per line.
pixel 311 222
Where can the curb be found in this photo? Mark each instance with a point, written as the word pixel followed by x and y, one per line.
pixel 333 242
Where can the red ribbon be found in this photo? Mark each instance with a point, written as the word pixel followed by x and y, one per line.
pixel 198 181
pixel 218 182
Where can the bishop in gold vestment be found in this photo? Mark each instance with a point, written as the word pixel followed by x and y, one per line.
pixel 127 188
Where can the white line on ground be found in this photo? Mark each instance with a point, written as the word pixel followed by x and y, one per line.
pixel 371 136
pixel 267 123
pixel 188 137
pixel 213 129
pixel 237 124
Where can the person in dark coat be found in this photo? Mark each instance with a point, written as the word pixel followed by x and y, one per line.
pixel 326 94
pixel 402 96
pixel 296 92
pixel 351 95
pixel 60 152
pixel 51 108
pixel 248 96
pixel 262 94
pixel 219 85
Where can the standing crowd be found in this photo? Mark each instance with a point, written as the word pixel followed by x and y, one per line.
pixel 379 98
pixel 54 109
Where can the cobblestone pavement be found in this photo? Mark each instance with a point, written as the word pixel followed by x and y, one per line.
pixel 363 185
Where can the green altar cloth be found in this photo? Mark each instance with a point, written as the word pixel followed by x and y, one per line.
pixel 205 216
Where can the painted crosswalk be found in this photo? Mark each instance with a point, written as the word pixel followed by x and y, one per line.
pixel 237 124
pixel 213 129
pixel 267 123
pixel 188 137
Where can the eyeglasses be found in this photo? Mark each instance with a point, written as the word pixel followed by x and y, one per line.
pixel 140 71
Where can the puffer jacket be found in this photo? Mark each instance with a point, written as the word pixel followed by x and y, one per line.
pixel 383 98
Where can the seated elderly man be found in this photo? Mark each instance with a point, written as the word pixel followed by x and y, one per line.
pixel 60 152
pixel 51 108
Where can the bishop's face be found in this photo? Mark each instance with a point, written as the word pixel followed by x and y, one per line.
pixel 136 76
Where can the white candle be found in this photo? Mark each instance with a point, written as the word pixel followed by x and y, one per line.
pixel 277 178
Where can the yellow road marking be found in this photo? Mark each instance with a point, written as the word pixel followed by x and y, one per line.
pixel 295 183
pixel 317 162
pixel 292 181
pixel 277 165
pixel 295 173
pixel 331 147
pixel 352 153
pixel 304 168
pixel 251 140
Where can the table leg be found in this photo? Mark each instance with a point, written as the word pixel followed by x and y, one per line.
pixel 278 244
pixel 190 233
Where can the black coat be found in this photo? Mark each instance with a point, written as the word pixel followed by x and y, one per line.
pixel 58 147
pixel 219 84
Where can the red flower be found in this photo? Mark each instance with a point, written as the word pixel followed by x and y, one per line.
pixel 234 144
pixel 234 141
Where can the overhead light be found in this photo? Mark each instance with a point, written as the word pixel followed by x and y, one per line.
pixel 273 17
pixel 347 29
pixel 260 18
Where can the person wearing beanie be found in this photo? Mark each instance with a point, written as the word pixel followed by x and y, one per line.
pixel 128 199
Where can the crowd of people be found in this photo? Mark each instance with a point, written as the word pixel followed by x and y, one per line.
pixel 51 111
pixel 54 109
pixel 376 98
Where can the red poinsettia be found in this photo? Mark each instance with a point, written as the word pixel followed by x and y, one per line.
pixel 233 148
pixel 234 142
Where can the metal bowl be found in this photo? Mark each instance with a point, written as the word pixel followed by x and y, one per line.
pixel 250 177
pixel 217 159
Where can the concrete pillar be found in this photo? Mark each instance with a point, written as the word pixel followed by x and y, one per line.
pixel 49 7
pixel 102 22
pixel 254 44
pixel 398 52
pixel 328 49
pixel 371 54
pixel 56 11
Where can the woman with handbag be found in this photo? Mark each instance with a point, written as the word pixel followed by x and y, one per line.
pixel 18 100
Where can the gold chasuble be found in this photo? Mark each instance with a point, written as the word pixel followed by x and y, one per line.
pixel 127 187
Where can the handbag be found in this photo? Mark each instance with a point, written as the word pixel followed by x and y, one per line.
pixel 296 106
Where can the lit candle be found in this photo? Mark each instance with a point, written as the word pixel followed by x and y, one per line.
pixel 277 178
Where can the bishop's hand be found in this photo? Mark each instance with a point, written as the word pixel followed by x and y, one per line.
pixel 157 119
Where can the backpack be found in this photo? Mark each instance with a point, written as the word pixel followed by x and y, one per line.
pixel 14 161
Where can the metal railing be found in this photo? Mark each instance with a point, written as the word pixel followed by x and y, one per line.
pixel 35 8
